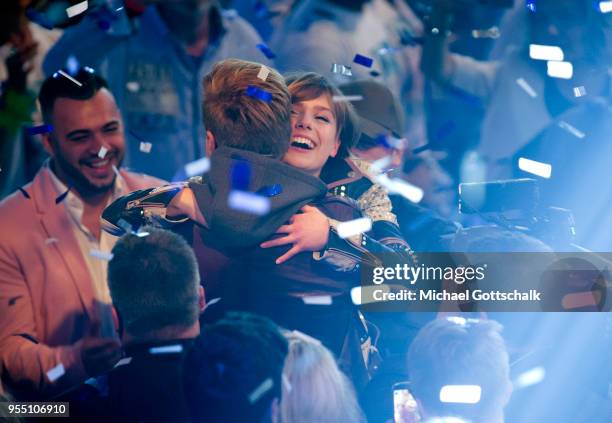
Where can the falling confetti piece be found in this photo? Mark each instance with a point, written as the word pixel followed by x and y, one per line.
pixel 563 70
pixel 102 152
pixel 526 87
pixel 266 51
pixel 167 349
pixel 102 255
pixel 132 86
pixel 544 52
pixel 49 241
pixel 40 129
pixel 571 129
pixel 65 75
pixel 460 394
pixel 197 167
pixel 363 60
pixel 337 98
pixel 145 147
pixel 56 372
pixel 249 202
pixel 260 391
pixel 124 361
pixel 62 196
pixel 354 227
pixel 77 9
pixel 543 170
pixel 341 70
pixel 579 91
pixel 317 300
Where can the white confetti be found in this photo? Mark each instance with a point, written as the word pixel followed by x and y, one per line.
pixel 543 170
pixel 102 152
pixel 460 394
pixel 579 91
pixel 102 255
pixel 261 390
pixel 605 6
pixel 365 294
pixel 286 383
pixel 401 187
pixel 354 227
pixel 167 349
pixel 317 300
pixel 197 167
pixel 65 75
pixel 563 70
pixel 248 202
pixel 571 129
pixel 124 361
pixel 263 73
pixel 56 372
pixel 530 378
pixel 544 52
pixel 337 98
pixel 77 9
pixel 145 147
pixel 526 87
pixel 142 234
pixel 50 240
pixel 132 86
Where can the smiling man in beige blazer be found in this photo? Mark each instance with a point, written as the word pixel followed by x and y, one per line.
pixel 56 325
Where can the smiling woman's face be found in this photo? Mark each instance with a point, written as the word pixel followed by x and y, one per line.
pixel 314 137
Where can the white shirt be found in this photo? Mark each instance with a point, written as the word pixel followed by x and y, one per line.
pixel 98 268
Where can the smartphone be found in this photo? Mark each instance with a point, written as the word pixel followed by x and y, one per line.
pixel 405 407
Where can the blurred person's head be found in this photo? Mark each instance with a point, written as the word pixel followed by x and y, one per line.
pixel 315 389
pixel 191 20
pixel 381 121
pixel 234 371
pixel 457 351
pixel 85 118
pixel 155 286
pixel 321 126
pixel 575 26
pixel 235 119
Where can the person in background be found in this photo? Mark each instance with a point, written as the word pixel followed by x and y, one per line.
pixel 314 389
pixel 155 287
pixel 55 310
pixel 235 371
pixel 154 62
pixel 460 351
pixel 23 45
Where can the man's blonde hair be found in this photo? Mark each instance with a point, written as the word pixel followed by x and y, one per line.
pixel 242 121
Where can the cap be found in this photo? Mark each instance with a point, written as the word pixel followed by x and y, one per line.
pixel 379 111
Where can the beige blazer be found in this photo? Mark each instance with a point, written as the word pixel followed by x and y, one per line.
pixel 46 292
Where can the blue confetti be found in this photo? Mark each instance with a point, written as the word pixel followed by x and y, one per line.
pixel 72 65
pixel 40 129
pixel 241 175
pixel 24 192
pixel 61 197
pixel 258 93
pixel 266 51
pixel 270 190
pixel 363 60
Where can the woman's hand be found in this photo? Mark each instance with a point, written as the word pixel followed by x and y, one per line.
pixel 307 231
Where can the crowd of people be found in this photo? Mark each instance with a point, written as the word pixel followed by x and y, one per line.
pixel 177 179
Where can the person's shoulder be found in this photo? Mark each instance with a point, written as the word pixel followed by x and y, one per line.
pixel 17 205
pixel 136 181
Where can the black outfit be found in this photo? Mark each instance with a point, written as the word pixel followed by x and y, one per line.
pixel 246 277
pixel 148 387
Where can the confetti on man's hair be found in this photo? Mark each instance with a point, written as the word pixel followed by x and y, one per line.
pixel 258 93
